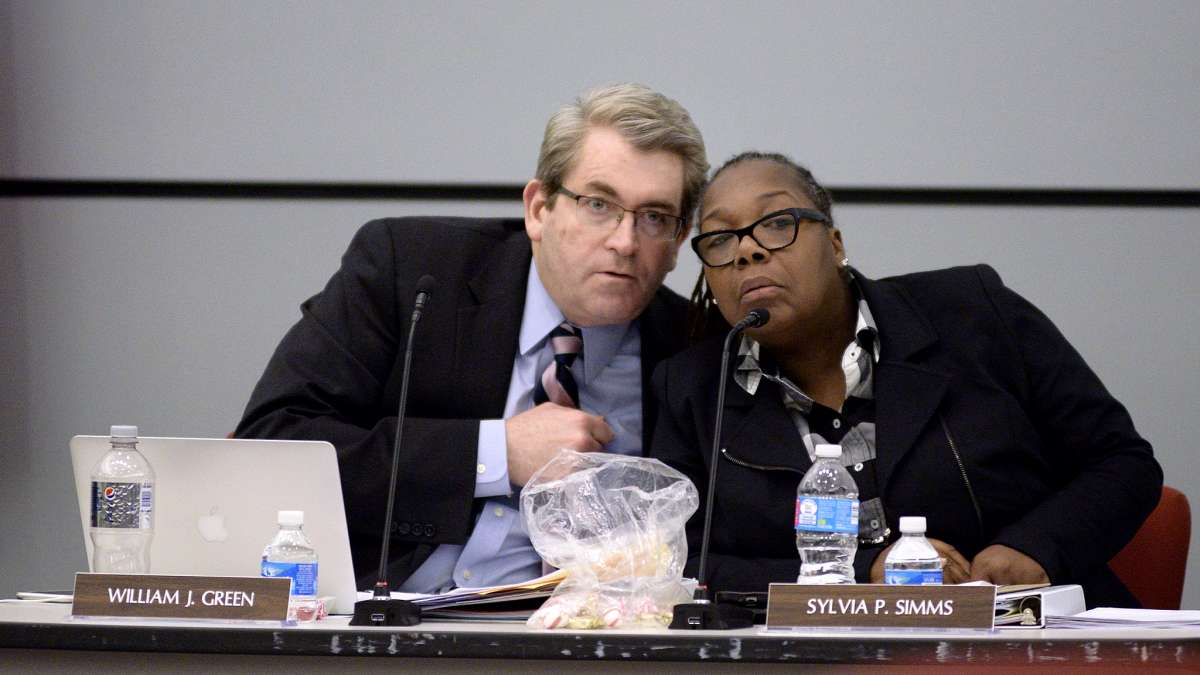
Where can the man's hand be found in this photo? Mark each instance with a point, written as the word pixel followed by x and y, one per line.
pixel 536 434
pixel 1003 565
pixel 955 568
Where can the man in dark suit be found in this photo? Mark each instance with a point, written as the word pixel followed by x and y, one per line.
pixel 541 335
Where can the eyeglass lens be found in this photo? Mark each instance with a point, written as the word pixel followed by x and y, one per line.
pixel 771 233
pixel 652 223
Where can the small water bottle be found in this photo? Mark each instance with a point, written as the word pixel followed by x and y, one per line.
pixel 827 520
pixel 290 554
pixel 122 521
pixel 913 561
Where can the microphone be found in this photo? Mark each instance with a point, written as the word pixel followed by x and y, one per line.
pixel 755 318
pixel 425 287
pixel 701 613
pixel 382 609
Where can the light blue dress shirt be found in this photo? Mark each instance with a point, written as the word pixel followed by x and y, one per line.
pixel 609 375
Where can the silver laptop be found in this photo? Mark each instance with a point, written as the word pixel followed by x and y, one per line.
pixel 216 501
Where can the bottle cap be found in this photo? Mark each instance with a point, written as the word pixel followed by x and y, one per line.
pixel 912 524
pixel 123 431
pixel 826 450
pixel 291 517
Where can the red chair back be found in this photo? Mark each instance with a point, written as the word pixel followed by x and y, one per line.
pixel 1153 564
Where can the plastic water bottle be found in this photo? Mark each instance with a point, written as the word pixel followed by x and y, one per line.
pixel 122 522
pixel 827 520
pixel 913 560
pixel 290 554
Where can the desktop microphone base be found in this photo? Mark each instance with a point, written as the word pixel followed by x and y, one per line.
pixel 385 612
pixel 710 616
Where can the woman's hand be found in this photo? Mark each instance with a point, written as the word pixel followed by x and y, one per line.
pixel 955 568
pixel 1002 565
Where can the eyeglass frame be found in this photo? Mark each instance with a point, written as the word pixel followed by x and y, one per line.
pixel 680 225
pixel 748 231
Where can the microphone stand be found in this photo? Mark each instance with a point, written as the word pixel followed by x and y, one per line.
pixel 702 613
pixel 382 609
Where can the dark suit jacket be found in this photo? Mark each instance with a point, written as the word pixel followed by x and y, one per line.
pixel 336 374
pixel 1055 465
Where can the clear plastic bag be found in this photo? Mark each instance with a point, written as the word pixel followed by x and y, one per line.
pixel 615 524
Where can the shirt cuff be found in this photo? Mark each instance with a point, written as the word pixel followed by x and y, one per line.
pixel 491 463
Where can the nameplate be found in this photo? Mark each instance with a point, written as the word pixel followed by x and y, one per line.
pixel 158 596
pixel 878 605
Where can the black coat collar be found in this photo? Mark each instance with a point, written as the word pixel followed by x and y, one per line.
pixel 489 322
pixel 907 392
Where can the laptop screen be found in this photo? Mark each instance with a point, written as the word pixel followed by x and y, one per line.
pixel 217 500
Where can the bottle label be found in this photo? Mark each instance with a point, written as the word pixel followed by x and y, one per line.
pixel 122 505
pixel 303 575
pixel 145 516
pixel 912 577
pixel 827 514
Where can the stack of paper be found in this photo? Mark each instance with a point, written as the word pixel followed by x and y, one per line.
pixel 508 602
pixel 540 587
pixel 1115 617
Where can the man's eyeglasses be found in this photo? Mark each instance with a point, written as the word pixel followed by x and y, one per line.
pixel 602 212
pixel 773 231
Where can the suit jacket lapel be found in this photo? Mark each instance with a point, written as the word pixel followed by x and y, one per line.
pixel 906 397
pixel 661 335
pixel 907 393
pixel 488 324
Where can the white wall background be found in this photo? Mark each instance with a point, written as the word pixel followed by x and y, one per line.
pixel 163 312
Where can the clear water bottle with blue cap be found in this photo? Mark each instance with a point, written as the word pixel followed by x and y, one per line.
pixel 290 554
pixel 827 520
pixel 912 560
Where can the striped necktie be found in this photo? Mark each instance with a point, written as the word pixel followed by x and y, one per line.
pixel 557 384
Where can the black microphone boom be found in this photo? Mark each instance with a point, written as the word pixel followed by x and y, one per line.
pixel 382 609
pixel 702 613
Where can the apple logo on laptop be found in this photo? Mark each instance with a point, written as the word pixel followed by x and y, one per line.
pixel 212 526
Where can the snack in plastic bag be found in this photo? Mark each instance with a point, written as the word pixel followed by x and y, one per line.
pixel 615 525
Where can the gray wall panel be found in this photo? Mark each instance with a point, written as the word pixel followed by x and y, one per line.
pixel 1068 93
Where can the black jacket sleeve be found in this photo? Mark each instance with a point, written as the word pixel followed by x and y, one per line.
pixel 329 379
pixel 1088 435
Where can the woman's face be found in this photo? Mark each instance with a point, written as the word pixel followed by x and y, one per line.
pixel 797 283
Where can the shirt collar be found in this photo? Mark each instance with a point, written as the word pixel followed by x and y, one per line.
pixel 866 322
pixel 541 315
pixel 750 371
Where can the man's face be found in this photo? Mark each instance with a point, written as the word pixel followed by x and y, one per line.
pixel 599 275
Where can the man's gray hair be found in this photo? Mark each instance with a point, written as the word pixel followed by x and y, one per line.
pixel 648 120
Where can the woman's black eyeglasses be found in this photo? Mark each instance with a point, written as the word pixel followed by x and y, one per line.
pixel 773 231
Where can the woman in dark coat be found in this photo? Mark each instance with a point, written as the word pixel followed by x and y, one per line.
pixel 953 398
